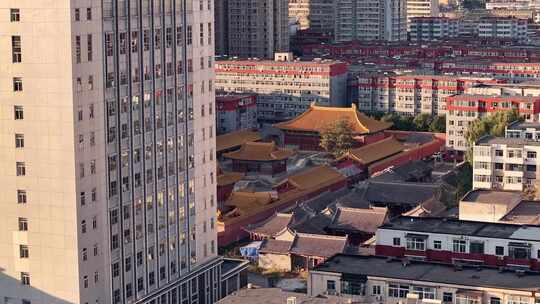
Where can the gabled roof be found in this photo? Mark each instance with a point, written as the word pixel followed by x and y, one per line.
pixel 323 246
pixel 271 226
pixel 235 139
pixel 260 151
pixel 359 220
pixel 316 177
pixel 400 192
pixel 317 119
pixel 376 151
pixel 275 246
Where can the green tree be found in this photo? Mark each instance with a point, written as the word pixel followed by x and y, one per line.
pixel 438 124
pixel 422 121
pixel 337 138
pixel 493 124
pixel 399 122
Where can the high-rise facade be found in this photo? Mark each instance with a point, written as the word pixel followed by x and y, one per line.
pixel 107 152
pixel 371 20
pixel 422 8
pixel 314 15
pixel 252 28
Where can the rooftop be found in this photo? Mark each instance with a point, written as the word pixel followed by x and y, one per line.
pixel 235 139
pixel 227 178
pixel 323 246
pixel 354 219
pixel 230 97
pixel 315 177
pixel 271 226
pixel 372 266
pixel 260 151
pixel 461 227
pixel 376 151
pixel 400 192
pixel 524 125
pixel 318 118
pixel 276 296
pixel 509 141
pixel 494 97
pixel 525 213
pixel 492 196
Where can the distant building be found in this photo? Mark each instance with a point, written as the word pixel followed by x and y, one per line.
pixel 304 131
pixel 251 28
pixel 235 112
pixel 411 94
pixel 523 130
pixel 503 28
pixel 422 8
pixel 464 109
pixel 422 29
pixel 371 20
pixel 285 88
pixel 317 16
pixel 372 279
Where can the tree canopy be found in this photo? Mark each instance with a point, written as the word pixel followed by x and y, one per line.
pixel 493 124
pixel 422 122
pixel 337 138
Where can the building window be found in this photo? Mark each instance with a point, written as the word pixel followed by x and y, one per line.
pixel 83 226
pixel 476 247
pixel 23 251
pixel 499 250
pixel 78 49
pixel 416 243
pixel 115 270
pixel 517 300
pixel 85 281
pixel 16 51
pixel 25 278
pixel 396 241
pixel 21 169
pixel 424 292
pixel 17 84
pixel 19 141
pixel 459 246
pixel 115 242
pixel 23 224
pixel 376 290
pixel 90 51
pixel 437 245
pixel 495 300
pixel 331 286
pixel 398 290
pixel 18 112
pixel 15 15
pixel 21 196
pixel 448 297
pixel 77 14
pixel 84 254
pixel 89 13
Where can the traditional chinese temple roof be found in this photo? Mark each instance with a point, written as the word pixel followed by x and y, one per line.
pixel 235 139
pixel 317 119
pixel 376 151
pixel 260 151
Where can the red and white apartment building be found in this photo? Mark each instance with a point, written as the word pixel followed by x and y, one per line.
pixel 482 100
pixel 411 94
pixel 512 70
pixel 235 112
pixel 285 87
pixel 455 241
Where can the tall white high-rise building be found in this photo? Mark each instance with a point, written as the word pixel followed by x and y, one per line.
pixel 422 8
pixel 107 152
pixel 371 20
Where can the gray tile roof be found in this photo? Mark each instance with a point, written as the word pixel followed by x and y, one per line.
pixel 318 245
pixel 400 192
pixel 271 226
pixel 275 246
pixel 430 272
pixel 358 220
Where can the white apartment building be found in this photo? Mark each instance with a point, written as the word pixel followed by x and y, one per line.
pixel 433 28
pixel 251 28
pixel 410 94
pixel 284 88
pixel 503 28
pixel 505 163
pixel 371 20
pixel 523 130
pixel 422 8
pixel 107 152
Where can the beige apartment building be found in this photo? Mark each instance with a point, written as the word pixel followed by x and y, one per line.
pixel 284 87
pixel 422 8
pixel 314 15
pixel 107 152
pixel 252 28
